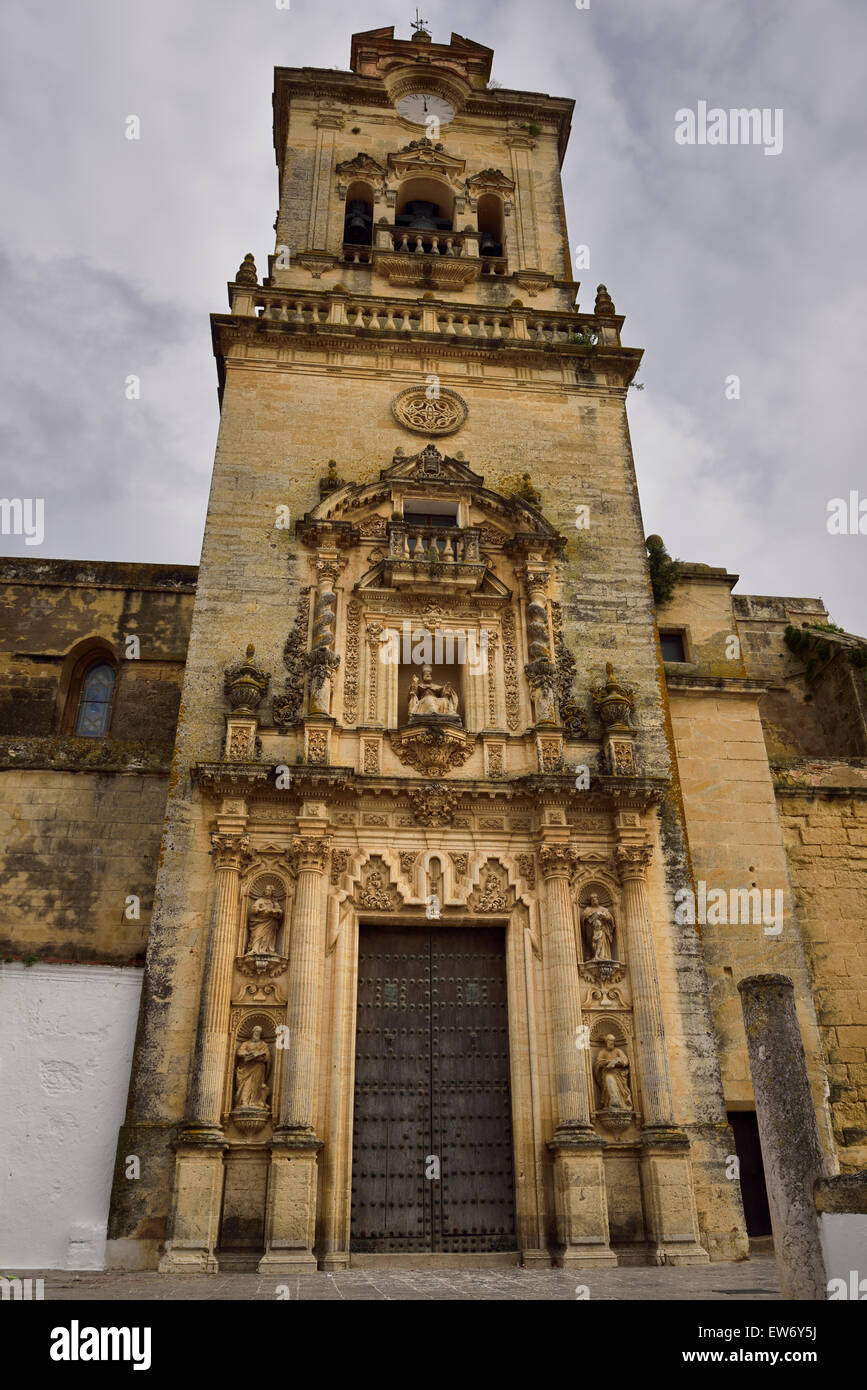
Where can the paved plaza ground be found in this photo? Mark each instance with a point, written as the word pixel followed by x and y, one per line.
pixel 747 1281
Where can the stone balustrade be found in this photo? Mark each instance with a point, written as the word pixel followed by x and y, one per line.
pixel 454 544
pixel 382 315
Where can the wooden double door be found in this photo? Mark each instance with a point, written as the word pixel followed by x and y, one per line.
pixel 432 1136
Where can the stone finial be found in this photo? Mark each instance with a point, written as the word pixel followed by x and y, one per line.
pixel 331 482
pixel 604 306
pixel 247 272
pixel 613 701
pixel 246 683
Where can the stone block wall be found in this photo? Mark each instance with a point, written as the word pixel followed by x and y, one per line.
pixel 826 840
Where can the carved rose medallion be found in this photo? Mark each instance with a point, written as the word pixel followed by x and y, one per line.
pixel 443 414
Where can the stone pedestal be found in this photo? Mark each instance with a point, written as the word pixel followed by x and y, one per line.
pixel 669 1203
pixel 580 1201
pixel 196 1200
pixel 290 1210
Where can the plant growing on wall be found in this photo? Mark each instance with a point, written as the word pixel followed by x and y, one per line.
pixel 664 572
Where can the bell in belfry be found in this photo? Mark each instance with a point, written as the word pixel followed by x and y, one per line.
pixel 359 223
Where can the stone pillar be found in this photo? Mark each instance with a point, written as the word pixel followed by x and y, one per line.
pixel 670 1215
pixel 789 1133
pixel 579 1178
pixel 290 1216
pixel 198 1180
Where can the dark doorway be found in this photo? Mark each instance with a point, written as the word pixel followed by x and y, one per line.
pixel 432 1093
pixel 752 1171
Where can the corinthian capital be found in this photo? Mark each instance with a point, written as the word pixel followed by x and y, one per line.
pixel 309 853
pixel 631 861
pixel 231 851
pixel 558 860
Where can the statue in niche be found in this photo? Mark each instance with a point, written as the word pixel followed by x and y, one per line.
pixel 263 923
pixel 427 697
pixel 611 1070
pixel 598 924
pixel 252 1068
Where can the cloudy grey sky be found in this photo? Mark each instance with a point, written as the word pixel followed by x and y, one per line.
pixel 725 260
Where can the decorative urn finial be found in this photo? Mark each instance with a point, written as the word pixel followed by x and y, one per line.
pixel 246 683
pixel 613 701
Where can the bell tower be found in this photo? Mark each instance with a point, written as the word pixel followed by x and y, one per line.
pixel 423 832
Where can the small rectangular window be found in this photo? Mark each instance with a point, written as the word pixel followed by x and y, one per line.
pixel 672 646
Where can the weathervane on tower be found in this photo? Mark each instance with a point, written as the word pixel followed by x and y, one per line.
pixel 419 25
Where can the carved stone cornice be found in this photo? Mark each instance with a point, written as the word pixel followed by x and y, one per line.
pixel 558 861
pixel 632 861
pixel 232 779
pixel 308 854
pixel 231 851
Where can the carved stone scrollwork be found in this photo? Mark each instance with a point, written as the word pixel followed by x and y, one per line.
pixel 493 893
pixel 527 869
pixel 339 862
pixel 350 680
pixel 572 717
pixel 376 892
pixel 407 860
pixel 433 804
pixel 510 670
pixel 444 414
pixel 432 750
pixel 286 708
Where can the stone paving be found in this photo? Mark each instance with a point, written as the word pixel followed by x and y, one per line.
pixel 751 1280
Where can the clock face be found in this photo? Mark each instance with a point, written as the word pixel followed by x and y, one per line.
pixel 418 107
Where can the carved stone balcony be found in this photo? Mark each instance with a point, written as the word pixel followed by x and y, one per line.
pixel 446 557
pixel 442 260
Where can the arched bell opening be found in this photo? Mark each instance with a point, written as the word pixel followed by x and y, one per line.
pixel 358 222
pixel 492 237
pixel 425 205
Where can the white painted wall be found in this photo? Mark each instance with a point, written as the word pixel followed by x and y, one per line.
pixel 66 1041
pixel 844 1245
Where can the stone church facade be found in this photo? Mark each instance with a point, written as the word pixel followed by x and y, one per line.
pixel 467 834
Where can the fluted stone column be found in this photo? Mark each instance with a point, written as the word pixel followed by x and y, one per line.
pixel 290 1216
pixel 198 1181
pixel 579 1178
pixel 670 1216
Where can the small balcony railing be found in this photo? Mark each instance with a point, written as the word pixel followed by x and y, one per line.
pixel 433 544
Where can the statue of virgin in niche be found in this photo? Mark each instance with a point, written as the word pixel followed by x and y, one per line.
pixel 263 923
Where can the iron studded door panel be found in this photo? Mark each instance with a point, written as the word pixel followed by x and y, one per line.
pixel 432 1083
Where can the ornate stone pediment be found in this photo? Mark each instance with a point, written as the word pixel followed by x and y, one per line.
pixel 423 156
pixel 363 166
pixel 490 181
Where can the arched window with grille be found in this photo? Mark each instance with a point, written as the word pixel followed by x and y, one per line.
pixel 95 700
